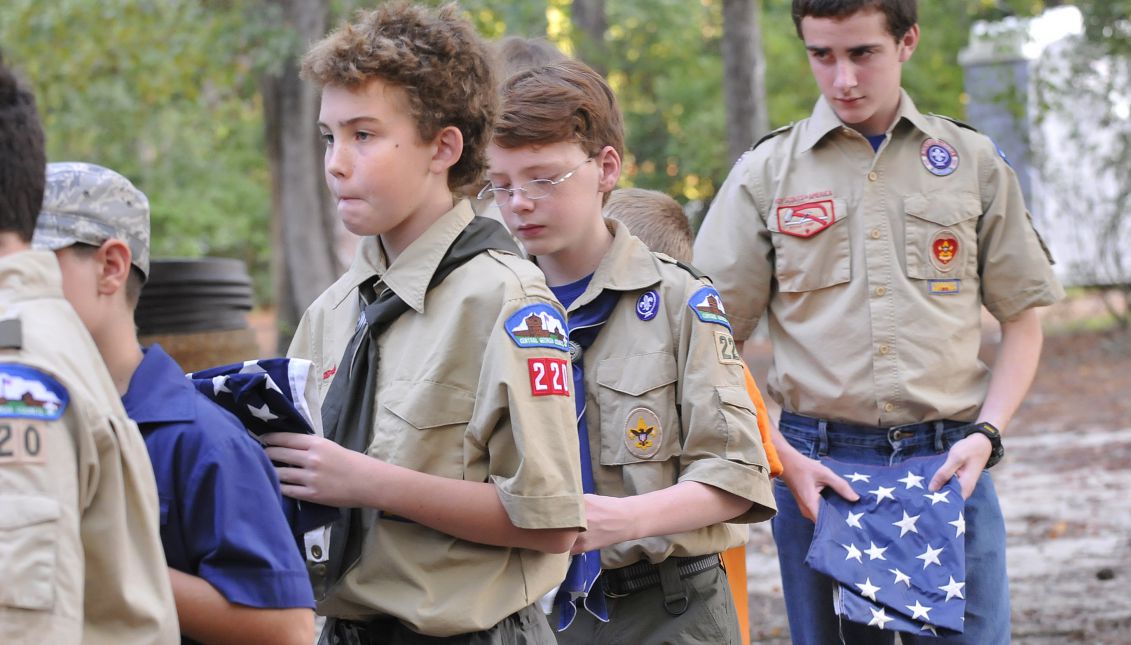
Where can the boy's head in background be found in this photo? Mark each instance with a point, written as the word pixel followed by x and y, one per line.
pixel 655 218
pixel 408 99
pixel 22 158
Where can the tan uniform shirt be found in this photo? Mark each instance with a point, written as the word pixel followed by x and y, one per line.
pixel 666 389
pixel 456 398
pixel 80 553
pixel 874 266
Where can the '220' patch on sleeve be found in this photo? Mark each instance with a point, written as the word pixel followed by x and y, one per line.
pixel 549 376
pixel 27 393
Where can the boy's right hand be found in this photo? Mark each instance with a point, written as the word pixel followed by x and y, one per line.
pixel 806 479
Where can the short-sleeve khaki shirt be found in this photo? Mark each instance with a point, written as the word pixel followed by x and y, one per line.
pixel 874 266
pixel 456 398
pixel 81 559
pixel 665 387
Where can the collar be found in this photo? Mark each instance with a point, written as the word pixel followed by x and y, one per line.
pixel 628 265
pixel 159 392
pixel 824 121
pixel 29 274
pixel 412 271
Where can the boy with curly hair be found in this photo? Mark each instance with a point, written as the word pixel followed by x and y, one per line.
pixel 669 448
pixel 445 367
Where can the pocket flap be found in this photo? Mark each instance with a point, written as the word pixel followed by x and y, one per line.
pixel 429 405
pixel 944 209
pixel 735 395
pixel 27 510
pixel 635 375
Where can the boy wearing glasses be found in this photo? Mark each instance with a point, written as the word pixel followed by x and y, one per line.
pixel 445 394
pixel 669 446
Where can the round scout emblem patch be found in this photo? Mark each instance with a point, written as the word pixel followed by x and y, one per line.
pixel 939 157
pixel 642 433
pixel 944 249
pixel 648 305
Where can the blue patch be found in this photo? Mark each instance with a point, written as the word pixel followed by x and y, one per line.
pixel 1001 153
pixel 27 393
pixel 648 305
pixel 939 157
pixel 538 326
pixel 708 305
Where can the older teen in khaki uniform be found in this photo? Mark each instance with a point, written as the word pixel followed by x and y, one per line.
pixel 872 235
pixel 80 556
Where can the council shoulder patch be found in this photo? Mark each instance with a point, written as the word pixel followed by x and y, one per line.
pixel 538 326
pixel 708 306
pixel 643 433
pixel 27 393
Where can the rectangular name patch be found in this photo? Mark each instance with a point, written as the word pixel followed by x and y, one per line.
pixel 944 287
pixel 549 376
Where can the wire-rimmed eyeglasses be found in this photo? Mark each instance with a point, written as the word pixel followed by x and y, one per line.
pixel 535 189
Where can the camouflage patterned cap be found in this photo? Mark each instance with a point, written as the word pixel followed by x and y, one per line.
pixel 89 204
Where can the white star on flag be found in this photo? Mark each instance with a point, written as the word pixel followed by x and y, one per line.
pixel 879 618
pixel 929 628
pixel 959 525
pixel 907 524
pixel 263 413
pixel 857 477
pixel 853 553
pixel 901 577
pixel 911 480
pixel 918 611
pixel 251 367
pixel 938 497
pixel 853 519
pixel 220 384
pixel 930 556
pixel 867 589
pixel 883 492
pixel 875 552
pixel 270 385
pixel 953 589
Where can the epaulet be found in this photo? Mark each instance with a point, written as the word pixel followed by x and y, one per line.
pixel 11 334
pixel 955 121
pixel 695 273
pixel 771 135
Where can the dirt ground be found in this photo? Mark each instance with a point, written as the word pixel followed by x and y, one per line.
pixel 1064 488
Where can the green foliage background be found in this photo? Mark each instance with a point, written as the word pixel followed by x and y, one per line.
pixel 166 92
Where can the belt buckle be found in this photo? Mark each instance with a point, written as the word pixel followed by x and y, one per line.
pixel 899 434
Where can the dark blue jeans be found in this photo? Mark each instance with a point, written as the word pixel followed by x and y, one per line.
pixel 809 595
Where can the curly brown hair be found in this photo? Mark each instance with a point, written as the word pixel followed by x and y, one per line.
pixel 435 56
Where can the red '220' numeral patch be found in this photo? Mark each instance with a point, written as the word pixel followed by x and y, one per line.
pixel 548 376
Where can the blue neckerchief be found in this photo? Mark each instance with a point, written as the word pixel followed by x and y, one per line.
pixel 581 581
pixel 876 140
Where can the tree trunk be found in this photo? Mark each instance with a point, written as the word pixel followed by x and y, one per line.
pixel 303 223
pixel 744 76
pixel 591 22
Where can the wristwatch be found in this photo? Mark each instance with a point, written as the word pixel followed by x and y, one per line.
pixel 997 451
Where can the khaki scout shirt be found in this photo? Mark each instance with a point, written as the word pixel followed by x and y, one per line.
pixel 80 553
pixel 454 398
pixel 874 265
pixel 667 391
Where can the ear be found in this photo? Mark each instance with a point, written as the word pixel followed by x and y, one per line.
pixel 608 163
pixel 114 260
pixel 448 146
pixel 908 43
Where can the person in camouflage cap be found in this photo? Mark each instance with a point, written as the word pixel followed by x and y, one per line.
pixel 88 204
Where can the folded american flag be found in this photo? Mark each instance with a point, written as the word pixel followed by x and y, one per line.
pixel 272 395
pixel 898 554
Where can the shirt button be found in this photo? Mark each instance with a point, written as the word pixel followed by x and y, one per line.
pixel 884 349
pixel 888 407
pixel 873 176
pixel 875 233
pixel 880 291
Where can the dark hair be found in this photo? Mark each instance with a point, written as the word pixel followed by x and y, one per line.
pixel 23 162
pixel 434 56
pixel 901 15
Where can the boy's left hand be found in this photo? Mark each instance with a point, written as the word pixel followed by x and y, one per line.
pixel 966 458
pixel 610 519
pixel 317 469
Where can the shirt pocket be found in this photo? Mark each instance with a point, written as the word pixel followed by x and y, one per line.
pixel 738 413
pixel 941 235
pixel 426 423
pixel 822 259
pixel 636 397
pixel 28 545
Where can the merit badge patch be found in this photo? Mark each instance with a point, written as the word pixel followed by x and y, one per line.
pixel 27 393
pixel 708 305
pixel 726 349
pixel 538 326
pixel 548 376
pixel 648 305
pixel 808 219
pixel 642 433
pixel 944 287
pixel 939 157
pixel 944 249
